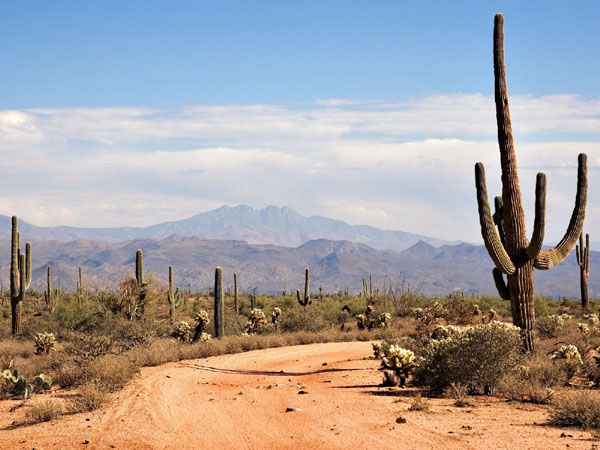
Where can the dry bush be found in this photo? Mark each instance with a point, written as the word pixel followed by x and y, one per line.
pixel 69 373
pixel 89 397
pixel 418 403
pixel 43 411
pixel 459 393
pixel 111 372
pixel 576 409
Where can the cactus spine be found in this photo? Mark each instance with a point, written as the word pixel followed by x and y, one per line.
pixel 173 297
pixel 236 305
pixel 48 294
pixel 20 276
pixel 583 259
pixel 306 300
pixel 219 326
pixel 513 254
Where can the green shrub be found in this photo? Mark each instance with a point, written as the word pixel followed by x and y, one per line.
pixel 478 358
pixel 549 326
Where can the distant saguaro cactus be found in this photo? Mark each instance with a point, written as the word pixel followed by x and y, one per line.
pixel 508 245
pixel 219 326
pixel 142 287
pixel 305 300
pixel 236 305
pixel 48 295
pixel 583 259
pixel 20 276
pixel 80 288
pixel 173 297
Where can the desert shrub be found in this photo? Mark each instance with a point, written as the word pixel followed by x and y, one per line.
pixel 111 372
pixel 457 310
pixel 69 373
pixel 303 319
pixel 445 332
pixel 419 403
pixel 549 326
pixel 427 317
pixel 43 411
pixel 44 343
pixel 89 397
pixel 576 409
pixel 478 357
pixel 459 393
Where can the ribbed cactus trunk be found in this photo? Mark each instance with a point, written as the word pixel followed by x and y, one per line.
pixel 171 295
pixel 236 305
pixel 305 300
pixel 219 325
pixel 141 285
pixel 80 288
pixel 508 245
pixel 583 260
pixel 48 294
pixel 20 277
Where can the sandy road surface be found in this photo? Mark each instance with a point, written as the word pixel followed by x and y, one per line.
pixel 240 401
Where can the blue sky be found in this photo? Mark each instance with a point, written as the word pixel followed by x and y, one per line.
pixel 151 53
pixel 133 113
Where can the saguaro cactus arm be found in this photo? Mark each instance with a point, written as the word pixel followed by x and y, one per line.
pixel 488 230
pixel 498 220
pixel 27 267
pixel 550 258
pixel 500 284
pixel 539 225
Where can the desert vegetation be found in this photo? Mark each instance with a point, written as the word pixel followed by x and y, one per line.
pixel 519 347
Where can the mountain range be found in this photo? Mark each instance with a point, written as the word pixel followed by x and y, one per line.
pixel 334 265
pixel 270 225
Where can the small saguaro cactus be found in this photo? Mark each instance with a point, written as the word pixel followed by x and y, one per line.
pixel 512 253
pixel 219 326
pixel 583 259
pixel 80 288
pixel 142 287
pixel 20 276
pixel 305 300
pixel 173 297
pixel 252 300
pixel 236 305
pixel 48 294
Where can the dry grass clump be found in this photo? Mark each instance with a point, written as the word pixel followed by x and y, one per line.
pixel 89 397
pixel 419 403
pixel 576 409
pixel 111 372
pixel 43 411
pixel 459 393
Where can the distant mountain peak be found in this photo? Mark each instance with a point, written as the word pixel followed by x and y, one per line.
pixel 275 225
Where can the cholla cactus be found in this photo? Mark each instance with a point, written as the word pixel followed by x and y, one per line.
pixel 569 354
pixel 256 321
pixel 205 337
pixel 380 350
pixel 182 331
pixel 361 321
pixel 584 329
pixel 202 320
pixel 400 361
pixel 593 319
pixel 445 332
pixel 385 320
pixel 476 310
pixel 491 317
pixel 276 316
pixel 44 343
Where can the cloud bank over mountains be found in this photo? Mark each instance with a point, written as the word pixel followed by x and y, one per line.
pixel 405 165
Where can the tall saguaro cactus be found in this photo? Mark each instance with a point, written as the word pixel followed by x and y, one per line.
pixel 173 297
pixel 513 254
pixel 20 276
pixel 305 300
pixel 219 326
pixel 49 294
pixel 236 305
pixel 80 288
pixel 583 259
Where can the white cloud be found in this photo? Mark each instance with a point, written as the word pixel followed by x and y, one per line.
pixel 404 165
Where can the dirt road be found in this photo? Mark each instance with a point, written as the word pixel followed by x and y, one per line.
pixel 241 402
